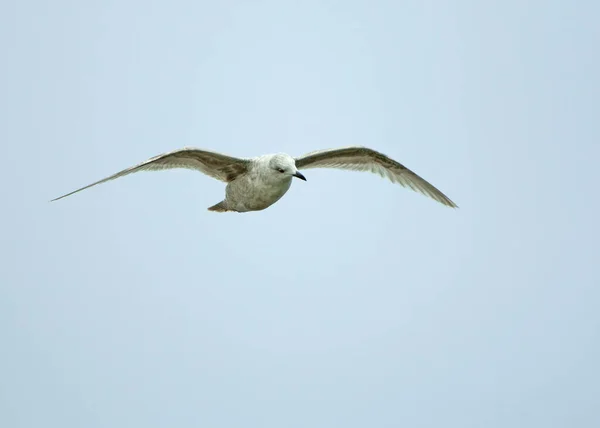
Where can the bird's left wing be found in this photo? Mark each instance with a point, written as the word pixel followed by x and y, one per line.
pixel 216 165
pixel 365 159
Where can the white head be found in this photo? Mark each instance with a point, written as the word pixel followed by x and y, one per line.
pixel 285 165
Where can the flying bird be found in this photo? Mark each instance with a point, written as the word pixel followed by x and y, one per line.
pixel 254 184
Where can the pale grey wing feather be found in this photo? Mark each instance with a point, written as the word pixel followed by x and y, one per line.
pixel 365 159
pixel 216 165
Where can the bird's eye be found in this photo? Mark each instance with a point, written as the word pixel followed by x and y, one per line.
pixel 281 170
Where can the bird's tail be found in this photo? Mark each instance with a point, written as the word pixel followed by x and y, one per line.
pixel 219 208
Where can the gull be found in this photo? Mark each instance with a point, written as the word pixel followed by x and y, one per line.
pixel 254 184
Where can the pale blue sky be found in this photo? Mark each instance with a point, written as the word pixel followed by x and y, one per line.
pixel 352 302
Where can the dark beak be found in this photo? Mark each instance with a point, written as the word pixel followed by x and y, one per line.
pixel 300 176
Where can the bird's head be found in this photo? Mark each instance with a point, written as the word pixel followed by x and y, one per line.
pixel 285 165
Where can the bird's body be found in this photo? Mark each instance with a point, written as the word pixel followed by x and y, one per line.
pixel 255 190
pixel 257 183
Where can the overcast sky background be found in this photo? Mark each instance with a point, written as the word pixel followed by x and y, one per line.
pixel 352 302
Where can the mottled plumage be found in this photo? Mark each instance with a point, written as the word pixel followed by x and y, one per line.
pixel 257 183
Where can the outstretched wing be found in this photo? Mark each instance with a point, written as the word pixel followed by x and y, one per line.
pixel 364 159
pixel 219 166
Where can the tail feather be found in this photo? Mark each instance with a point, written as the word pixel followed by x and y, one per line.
pixel 219 208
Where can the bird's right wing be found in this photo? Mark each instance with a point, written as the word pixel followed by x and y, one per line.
pixel 216 165
pixel 365 159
